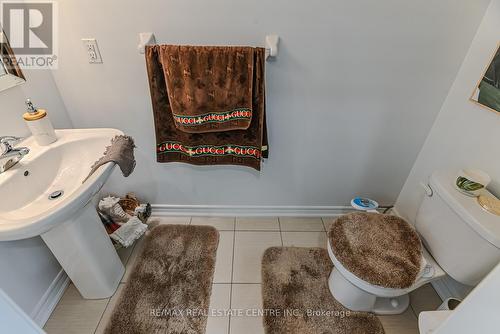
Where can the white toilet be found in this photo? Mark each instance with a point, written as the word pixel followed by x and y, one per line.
pixel 460 239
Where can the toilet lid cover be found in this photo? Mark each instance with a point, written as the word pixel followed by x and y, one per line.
pixel 383 250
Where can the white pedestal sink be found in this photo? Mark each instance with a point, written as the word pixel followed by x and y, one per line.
pixel 68 224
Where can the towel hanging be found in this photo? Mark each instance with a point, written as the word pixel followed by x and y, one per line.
pixel 236 147
pixel 209 87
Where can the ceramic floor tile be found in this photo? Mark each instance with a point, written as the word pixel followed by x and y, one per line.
pixel 75 315
pixel 133 257
pixel 327 222
pixel 424 298
pixel 257 224
pixel 125 253
pixel 224 260
pixel 301 224
pixel 218 320
pixel 109 310
pixel 220 223
pixel 304 239
pixel 405 323
pixel 248 298
pixel 248 250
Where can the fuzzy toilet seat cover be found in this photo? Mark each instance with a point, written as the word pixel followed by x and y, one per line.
pixel 382 250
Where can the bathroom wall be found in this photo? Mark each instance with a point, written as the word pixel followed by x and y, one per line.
pixel 40 87
pixel 464 134
pixel 27 267
pixel 351 96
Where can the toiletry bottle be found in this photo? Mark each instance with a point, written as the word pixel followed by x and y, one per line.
pixel 39 124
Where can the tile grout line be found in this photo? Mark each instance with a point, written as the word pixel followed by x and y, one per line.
pixel 413 310
pixel 281 234
pixel 120 283
pixel 324 227
pixel 105 309
pixel 232 274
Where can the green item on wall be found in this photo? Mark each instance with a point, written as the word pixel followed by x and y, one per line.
pixel 487 92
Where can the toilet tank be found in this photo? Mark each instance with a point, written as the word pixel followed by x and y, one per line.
pixel 461 236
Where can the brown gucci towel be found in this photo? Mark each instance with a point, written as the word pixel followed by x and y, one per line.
pixel 209 87
pixel 237 147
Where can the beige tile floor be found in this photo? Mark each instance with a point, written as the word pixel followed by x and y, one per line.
pixel 237 277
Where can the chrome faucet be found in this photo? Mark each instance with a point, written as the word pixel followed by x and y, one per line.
pixel 9 155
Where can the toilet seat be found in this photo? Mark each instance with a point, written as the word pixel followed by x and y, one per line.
pixel 359 294
pixel 380 249
pixel 428 263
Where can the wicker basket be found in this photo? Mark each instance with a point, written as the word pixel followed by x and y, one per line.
pixel 129 203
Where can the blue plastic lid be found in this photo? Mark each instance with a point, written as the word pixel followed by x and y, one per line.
pixel 364 204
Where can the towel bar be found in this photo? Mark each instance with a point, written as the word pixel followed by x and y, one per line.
pixel 272 41
pixel 145 38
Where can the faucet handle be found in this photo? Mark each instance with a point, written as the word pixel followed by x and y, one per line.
pixel 9 139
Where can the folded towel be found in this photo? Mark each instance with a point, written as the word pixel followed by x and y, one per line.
pixel 111 207
pixel 129 232
pixel 238 147
pixel 209 87
pixel 120 152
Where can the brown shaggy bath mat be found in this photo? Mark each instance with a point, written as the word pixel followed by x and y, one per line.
pixel 169 289
pixel 381 249
pixel 297 299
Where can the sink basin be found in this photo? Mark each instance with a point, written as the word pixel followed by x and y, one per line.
pixel 43 195
pixel 25 209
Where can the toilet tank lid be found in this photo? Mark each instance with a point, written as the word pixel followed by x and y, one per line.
pixel 484 223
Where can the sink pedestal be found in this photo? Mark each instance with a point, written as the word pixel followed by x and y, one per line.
pixel 84 250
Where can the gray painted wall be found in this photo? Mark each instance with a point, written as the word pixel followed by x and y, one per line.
pixel 464 135
pixel 351 97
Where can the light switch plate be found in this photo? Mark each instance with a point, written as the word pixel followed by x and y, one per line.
pixel 92 49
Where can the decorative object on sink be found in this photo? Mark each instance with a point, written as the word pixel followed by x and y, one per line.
pixel 471 181
pixel 487 92
pixel 10 73
pixel 121 152
pixel 39 124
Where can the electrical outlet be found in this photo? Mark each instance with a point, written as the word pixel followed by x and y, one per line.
pixel 92 50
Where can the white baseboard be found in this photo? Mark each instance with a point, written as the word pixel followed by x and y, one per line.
pixel 248 210
pixel 50 298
